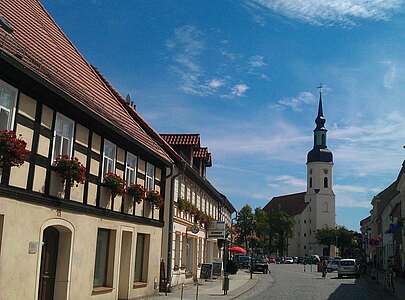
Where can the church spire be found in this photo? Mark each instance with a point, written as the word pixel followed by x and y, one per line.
pixel 320 150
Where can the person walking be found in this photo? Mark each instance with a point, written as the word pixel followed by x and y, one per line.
pixel 324 269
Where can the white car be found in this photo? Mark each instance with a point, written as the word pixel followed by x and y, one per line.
pixel 289 260
pixel 333 266
pixel 348 267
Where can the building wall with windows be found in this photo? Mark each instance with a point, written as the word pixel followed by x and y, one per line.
pixel 34 194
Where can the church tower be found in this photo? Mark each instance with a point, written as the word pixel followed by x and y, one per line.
pixel 320 198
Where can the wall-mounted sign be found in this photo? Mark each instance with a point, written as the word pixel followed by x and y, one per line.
pixel 33 247
pixel 216 230
pixel 195 229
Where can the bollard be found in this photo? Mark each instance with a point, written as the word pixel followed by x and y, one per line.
pixel 196 293
pixel 182 289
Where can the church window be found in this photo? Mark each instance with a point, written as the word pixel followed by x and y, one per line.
pixel 305 221
pixel 310 171
pixel 310 182
pixel 305 247
pixel 325 183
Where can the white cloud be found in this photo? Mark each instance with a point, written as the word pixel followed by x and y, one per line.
pixel 296 103
pixel 390 75
pixel 216 83
pixel 257 61
pixel 327 12
pixel 240 89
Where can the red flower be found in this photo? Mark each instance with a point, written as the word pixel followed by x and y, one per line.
pixel 13 150
pixel 154 198
pixel 70 169
pixel 137 192
pixel 115 184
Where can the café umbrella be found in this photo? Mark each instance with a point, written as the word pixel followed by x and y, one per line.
pixel 237 249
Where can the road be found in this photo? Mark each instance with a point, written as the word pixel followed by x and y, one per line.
pixel 290 282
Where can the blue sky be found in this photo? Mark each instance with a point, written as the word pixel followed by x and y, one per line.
pixel 244 75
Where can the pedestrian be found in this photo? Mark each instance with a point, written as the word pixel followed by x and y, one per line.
pixel 324 269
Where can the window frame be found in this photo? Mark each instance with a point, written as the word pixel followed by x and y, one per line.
pixel 62 117
pixel 143 260
pixel 107 142
pixel 104 284
pixel 13 110
pixel 148 177
pixel 134 168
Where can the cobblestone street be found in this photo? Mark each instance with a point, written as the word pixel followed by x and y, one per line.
pixel 291 282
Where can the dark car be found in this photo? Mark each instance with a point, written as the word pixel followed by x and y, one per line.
pixel 259 264
pixel 243 261
pixel 300 260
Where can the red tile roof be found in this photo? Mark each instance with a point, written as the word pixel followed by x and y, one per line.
pixel 40 45
pixel 292 204
pixel 201 152
pixel 182 139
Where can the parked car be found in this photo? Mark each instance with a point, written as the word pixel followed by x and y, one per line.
pixel 288 260
pixel 243 261
pixel 312 260
pixel 259 264
pixel 295 259
pixel 300 260
pixel 333 266
pixel 348 267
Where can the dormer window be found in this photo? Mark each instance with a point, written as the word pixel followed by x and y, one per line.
pixel 8 98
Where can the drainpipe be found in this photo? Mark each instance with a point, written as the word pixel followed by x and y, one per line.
pixel 170 221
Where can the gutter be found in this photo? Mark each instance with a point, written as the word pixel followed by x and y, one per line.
pixel 171 223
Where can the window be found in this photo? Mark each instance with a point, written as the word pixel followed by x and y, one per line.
pixel 141 258
pixel 310 182
pixel 101 265
pixel 325 171
pixel 109 157
pixel 305 235
pixel 63 136
pixel 150 177
pixel 310 171
pixel 130 169
pixel 8 98
pixel 325 183
pixel 305 221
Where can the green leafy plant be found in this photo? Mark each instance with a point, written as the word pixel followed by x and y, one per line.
pixel 13 150
pixel 137 192
pixel 115 184
pixel 71 170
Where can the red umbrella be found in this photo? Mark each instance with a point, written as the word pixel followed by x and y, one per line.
pixel 237 249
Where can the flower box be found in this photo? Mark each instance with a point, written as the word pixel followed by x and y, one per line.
pixel 71 170
pixel 115 184
pixel 13 150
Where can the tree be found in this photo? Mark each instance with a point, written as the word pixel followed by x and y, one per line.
pixel 262 232
pixel 281 228
pixel 245 225
pixel 326 236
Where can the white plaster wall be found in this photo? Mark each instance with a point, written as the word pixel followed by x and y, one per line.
pixel 19 270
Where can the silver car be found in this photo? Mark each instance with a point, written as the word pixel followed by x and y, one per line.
pixel 348 267
pixel 333 266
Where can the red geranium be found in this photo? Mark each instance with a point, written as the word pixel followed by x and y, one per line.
pixel 70 169
pixel 137 192
pixel 13 150
pixel 115 184
pixel 154 198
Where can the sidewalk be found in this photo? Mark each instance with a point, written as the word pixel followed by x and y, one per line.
pixel 239 284
pixel 399 283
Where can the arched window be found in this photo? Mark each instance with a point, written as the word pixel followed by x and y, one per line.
pixel 325 183
pixel 310 182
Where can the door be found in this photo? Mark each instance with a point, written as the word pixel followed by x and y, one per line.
pixel 49 258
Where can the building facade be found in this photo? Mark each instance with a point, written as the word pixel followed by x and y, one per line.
pixel 314 209
pixel 384 243
pixel 71 242
pixel 184 249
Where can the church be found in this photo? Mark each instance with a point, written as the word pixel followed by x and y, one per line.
pixel 315 208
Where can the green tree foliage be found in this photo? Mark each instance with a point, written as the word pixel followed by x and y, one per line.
pixel 281 228
pixel 245 225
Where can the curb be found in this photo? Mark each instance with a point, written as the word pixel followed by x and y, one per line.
pixel 247 290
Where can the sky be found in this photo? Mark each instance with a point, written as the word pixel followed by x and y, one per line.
pixel 244 74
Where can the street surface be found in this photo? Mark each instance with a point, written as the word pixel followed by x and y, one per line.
pixel 290 282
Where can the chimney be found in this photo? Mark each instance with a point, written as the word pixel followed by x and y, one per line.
pixel 130 102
